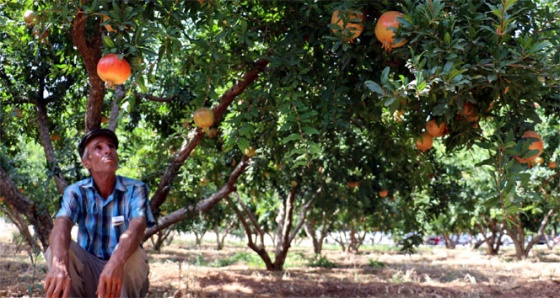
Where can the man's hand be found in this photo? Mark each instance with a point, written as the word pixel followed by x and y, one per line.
pixel 58 283
pixel 111 278
pixel 110 281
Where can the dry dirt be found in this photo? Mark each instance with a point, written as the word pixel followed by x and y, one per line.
pixel 181 270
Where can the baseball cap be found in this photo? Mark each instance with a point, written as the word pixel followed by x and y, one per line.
pixel 96 133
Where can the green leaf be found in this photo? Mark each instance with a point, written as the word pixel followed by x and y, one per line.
pixel 243 144
pixel 421 86
pixel 108 42
pixel 310 130
pixel 373 86
pixel 292 137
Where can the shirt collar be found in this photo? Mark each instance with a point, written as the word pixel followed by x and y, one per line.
pixel 118 186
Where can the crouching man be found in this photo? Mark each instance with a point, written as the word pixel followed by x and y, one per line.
pixel 112 213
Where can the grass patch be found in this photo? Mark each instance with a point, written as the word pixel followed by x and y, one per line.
pixel 248 258
pixel 376 264
pixel 295 260
pixel 320 261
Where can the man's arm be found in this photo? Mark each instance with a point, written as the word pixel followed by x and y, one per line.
pixel 110 281
pixel 57 282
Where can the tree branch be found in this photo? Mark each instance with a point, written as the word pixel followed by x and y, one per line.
pixel 40 219
pixel 197 134
pixel 44 134
pixel 139 95
pixel 203 205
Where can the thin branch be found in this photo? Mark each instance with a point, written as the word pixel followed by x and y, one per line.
pixel 252 218
pixel 243 221
pixel 203 205
pixel 139 95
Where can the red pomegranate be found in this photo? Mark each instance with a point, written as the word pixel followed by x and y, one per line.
pixel 386 35
pixel 112 70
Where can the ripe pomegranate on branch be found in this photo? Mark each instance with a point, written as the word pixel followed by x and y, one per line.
pixel 113 70
pixel 351 23
pixel 203 118
pixel 384 27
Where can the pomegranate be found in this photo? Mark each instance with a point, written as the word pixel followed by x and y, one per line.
pixel 112 70
pixel 383 193
pixel 351 21
pixel 436 130
pixel 203 117
pixel 470 112
pixel 424 142
pixel 353 184
pixel 55 137
pixel 535 145
pixel 29 17
pixel 386 35
pixel 212 133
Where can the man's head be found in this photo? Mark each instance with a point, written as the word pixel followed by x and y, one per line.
pixel 98 150
pixel 90 136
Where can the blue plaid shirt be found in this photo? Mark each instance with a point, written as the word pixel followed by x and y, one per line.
pixel 101 222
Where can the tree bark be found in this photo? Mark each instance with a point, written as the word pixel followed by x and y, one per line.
pixel 89 47
pixel 247 225
pixel 45 136
pixel 284 242
pixel 310 227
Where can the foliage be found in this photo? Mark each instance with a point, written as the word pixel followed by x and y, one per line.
pixel 320 261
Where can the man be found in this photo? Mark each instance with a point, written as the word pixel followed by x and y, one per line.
pixel 112 213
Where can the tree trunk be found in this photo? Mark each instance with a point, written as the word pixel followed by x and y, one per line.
pixel 517 234
pixel 309 228
pixel 284 230
pixel 36 216
pixel 198 238
pixel 89 46
pixel 449 243
pixel 492 246
pixel 161 238
pixel 219 242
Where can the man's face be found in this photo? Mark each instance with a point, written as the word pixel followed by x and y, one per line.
pixel 101 156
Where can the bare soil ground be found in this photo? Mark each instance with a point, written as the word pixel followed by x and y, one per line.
pixel 183 270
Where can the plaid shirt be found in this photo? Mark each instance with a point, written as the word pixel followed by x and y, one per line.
pixel 101 222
